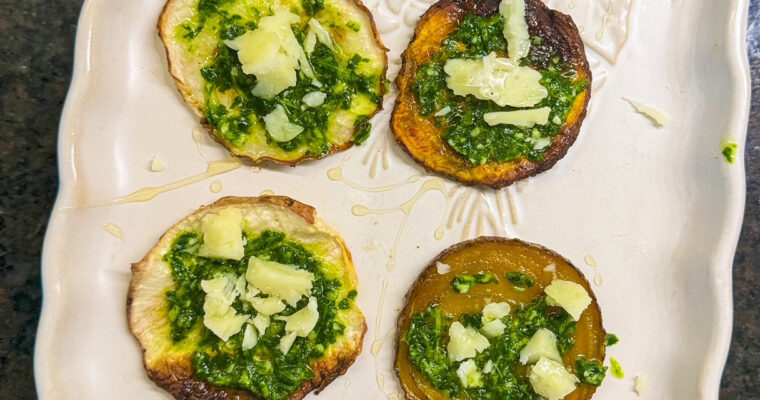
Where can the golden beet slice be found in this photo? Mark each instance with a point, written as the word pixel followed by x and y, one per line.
pixel 497 256
pixel 422 139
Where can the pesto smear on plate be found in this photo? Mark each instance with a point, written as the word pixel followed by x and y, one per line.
pixel 269 347
pixel 483 128
pixel 279 75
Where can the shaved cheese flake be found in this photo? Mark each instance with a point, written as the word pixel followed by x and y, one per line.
pixel 314 99
pixel 272 53
pixel 659 118
pixel 521 118
pixel 250 338
pixel 261 322
pixel 279 280
pixel 303 321
pixel 500 80
pixel 551 380
pixel 465 342
pixel 267 306
pixel 543 343
pixel 568 295
pixel 218 315
pixel 469 375
pixel 222 234
pixel 639 385
pixel 442 268
pixel 286 342
pixel 515 28
pixel 157 165
pixel 279 126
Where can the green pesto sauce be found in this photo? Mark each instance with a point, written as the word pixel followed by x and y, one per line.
pixel 236 122
pixel 612 339
pixel 463 283
pixel 427 339
pixel 263 370
pixel 729 151
pixel 520 280
pixel 616 369
pixel 464 128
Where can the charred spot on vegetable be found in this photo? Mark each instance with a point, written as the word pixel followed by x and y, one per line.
pixel 591 372
pixel 463 283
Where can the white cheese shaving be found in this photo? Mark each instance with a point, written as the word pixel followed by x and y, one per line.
pixel 551 380
pixel 543 343
pixel 322 34
pixel 157 165
pixel 488 367
pixel 515 28
pixel 493 311
pixel 469 375
pixel 267 306
pixel 261 322
pixel 279 126
pixel 250 338
pixel 494 328
pixel 222 234
pixel 218 315
pixel 272 53
pixel 500 80
pixel 286 342
pixel 314 99
pixel 659 118
pixel 639 385
pixel 442 268
pixel 303 321
pixel 444 111
pixel 568 295
pixel 465 342
pixel 279 280
pixel 521 118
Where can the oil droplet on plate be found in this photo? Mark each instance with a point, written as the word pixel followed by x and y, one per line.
pixel 216 186
pixel 114 230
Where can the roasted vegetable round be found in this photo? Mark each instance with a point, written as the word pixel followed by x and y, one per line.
pixel 491 92
pixel 248 298
pixel 282 80
pixel 496 318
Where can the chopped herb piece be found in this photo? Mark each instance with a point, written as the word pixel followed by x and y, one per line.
pixel 612 339
pixel 520 280
pixel 591 372
pixel 729 151
pixel 463 283
pixel 616 369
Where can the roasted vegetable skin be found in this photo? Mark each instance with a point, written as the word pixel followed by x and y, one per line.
pixel 427 138
pixel 185 362
pixel 431 306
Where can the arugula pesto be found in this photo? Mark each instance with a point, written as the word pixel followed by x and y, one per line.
pixel 263 369
pixel 520 280
pixel 465 129
pixel 345 81
pixel 428 336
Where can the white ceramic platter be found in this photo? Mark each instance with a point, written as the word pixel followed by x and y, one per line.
pixel 658 209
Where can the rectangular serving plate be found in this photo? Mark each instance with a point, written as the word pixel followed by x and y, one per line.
pixel 657 209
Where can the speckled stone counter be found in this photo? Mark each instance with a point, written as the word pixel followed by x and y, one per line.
pixel 35 67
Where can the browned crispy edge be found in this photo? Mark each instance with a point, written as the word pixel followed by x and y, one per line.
pixel 562 141
pixel 185 91
pixel 404 315
pixel 179 380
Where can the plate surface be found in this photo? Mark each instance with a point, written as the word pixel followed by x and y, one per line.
pixel 658 210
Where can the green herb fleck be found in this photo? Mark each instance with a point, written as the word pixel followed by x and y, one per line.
pixel 313 6
pixel 590 371
pixel 463 283
pixel 520 280
pixel 354 26
pixel 729 151
pixel 616 369
pixel 612 339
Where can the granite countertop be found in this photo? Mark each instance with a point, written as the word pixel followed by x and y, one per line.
pixel 35 70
